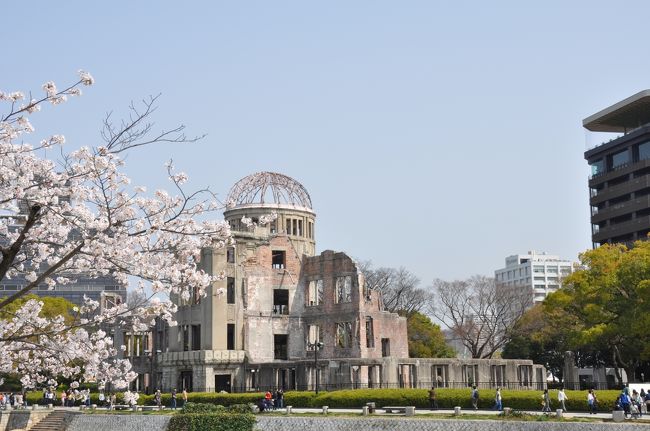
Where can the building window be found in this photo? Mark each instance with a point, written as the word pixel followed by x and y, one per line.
pixel 230 290
pixel 343 289
pixel 597 167
pixel 385 347
pixel 538 268
pixel 278 259
pixel 280 342
pixel 196 295
pixel 230 340
pixel 315 293
pixel 370 333
pixel 644 151
pixel 274 226
pixel 299 233
pixel 280 301
pixel 620 158
pixel 344 335
pixel 196 337
pixel 230 255
pixel 310 232
pixel 314 335
pixel 186 338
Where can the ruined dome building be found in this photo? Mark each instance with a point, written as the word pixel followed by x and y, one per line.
pixel 257 327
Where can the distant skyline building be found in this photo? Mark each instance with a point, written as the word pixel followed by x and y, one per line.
pixel 540 272
pixel 104 289
pixel 619 184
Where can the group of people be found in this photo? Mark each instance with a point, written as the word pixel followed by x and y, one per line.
pixel 272 400
pixel 69 398
pixel 634 404
pixel 157 397
pixel 11 400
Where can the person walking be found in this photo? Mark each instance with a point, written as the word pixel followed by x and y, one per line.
pixel 561 397
pixel 474 397
pixel 546 401
pixel 498 405
pixel 279 399
pixel 184 397
pixel 174 398
pixel 625 400
pixel 158 398
pixel 591 402
pixel 433 403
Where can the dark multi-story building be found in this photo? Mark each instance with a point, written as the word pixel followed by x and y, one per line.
pixel 619 184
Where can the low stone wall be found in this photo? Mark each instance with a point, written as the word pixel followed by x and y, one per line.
pixel 24 419
pixel 278 423
pixel 99 422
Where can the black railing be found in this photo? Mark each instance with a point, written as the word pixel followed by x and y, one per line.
pixel 523 385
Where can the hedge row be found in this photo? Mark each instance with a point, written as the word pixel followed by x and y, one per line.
pixel 212 422
pixel 447 398
pixel 37 398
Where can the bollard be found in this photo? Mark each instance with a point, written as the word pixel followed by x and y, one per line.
pixel 457 411
pixel 289 408
pixel 559 412
pixel 371 407
pixel 618 416
pixel 409 411
pixel 325 409
pixel 364 410
pixel 507 411
pixel 50 406
pixel 93 407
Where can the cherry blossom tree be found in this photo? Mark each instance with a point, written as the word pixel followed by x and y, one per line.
pixel 79 214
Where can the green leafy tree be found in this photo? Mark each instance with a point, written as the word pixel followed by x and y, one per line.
pixel 604 308
pixel 52 307
pixel 426 340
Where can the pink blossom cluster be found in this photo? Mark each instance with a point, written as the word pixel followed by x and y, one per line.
pixel 79 214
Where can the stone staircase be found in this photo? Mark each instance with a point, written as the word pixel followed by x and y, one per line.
pixel 55 421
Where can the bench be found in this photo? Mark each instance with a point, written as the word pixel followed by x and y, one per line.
pixel 149 408
pixel 407 410
pixel 121 407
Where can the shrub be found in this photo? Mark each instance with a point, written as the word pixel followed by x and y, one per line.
pixel 447 398
pixel 212 422
pixel 299 398
pixel 240 408
pixel 202 408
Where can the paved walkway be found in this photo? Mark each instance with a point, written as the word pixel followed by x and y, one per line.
pixel 466 414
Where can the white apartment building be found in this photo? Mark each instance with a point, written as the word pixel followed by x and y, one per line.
pixel 541 272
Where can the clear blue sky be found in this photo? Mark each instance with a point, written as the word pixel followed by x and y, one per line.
pixel 439 136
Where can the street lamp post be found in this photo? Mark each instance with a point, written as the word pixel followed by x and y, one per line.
pixel 316 347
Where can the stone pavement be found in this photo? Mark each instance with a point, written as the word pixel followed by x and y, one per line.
pixel 113 422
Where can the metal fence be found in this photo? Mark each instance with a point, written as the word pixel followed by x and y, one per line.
pixel 415 385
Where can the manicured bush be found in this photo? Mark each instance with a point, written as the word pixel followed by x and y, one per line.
pixel 212 422
pixel 202 408
pixel 240 408
pixel 447 398
pixel 299 398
